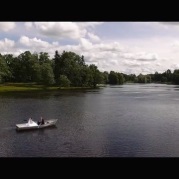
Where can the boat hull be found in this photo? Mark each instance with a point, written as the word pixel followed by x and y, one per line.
pixel 27 126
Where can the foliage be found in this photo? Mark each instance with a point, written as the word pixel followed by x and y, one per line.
pixel 47 74
pixel 63 81
pixel 95 76
pixel 5 73
pixel 69 69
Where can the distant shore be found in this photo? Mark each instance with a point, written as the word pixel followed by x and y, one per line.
pixel 32 87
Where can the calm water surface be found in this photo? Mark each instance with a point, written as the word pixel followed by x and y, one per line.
pixel 115 121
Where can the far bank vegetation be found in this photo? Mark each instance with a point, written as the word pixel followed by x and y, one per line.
pixel 68 70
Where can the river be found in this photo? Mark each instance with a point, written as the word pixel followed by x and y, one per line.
pixel 130 120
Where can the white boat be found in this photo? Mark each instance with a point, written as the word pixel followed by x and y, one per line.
pixel 33 125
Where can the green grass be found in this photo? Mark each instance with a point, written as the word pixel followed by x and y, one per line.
pixel 10 87
pixel 25 87
pixel 74 88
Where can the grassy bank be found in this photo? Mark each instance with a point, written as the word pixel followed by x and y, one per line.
pixel 25 87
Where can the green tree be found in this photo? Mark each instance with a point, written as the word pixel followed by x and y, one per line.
pixel 120 78
pixel 142 78
pixel 157 77
pixel 44 57
pixel 164 79
pixel 5 74
pixel 95 76
pixel 63 81
pixel 57 65
pixel 113 78
pixel 84 76
pixel 47 74
pixel 176 76
pixel 106 77
pixel 26 68
pixel 169 75
pixel 37 74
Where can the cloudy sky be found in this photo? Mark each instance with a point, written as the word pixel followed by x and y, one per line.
pixel 127 47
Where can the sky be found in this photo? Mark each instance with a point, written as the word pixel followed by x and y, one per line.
pixel 125 47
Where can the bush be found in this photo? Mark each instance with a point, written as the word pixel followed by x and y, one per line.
pixel 63 81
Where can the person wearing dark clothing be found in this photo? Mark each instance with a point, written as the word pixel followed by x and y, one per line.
pixel 41 121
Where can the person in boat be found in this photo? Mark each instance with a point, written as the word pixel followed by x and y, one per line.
pixel 41 121
pixel 30 120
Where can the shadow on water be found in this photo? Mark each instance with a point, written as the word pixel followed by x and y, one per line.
pixel 116 86
pixel 36 130
pixel 108 122
pixel 36 95
pixel 47 94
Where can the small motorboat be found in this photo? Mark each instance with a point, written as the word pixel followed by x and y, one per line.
pixel 33 124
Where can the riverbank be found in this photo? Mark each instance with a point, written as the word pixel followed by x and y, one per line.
pixel 32 87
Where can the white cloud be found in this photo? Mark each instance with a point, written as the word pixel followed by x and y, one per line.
pixel 174 66
pixel 107 56
pixel 112 47
pixel 175 44
pixel 7 26
pixel 28 25
pixel 170 23
pixel 6 44
pixel 93 38
pixel 34 42
pixel 146 56
pixel 88 24
pixel 38 45
pixel 140 56
pixel 114 56
pixel 85 44
pixel 55 43
pixel 131 63
pixel 156 52
pixel 61 29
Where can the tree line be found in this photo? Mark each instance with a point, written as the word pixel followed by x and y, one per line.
pixel 68 69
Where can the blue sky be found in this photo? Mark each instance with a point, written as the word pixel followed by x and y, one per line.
pixel 127 47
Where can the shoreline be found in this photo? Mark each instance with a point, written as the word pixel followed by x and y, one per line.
pixel 28 87
pixel 33 87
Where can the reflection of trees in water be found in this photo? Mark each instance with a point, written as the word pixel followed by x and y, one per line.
pixel 31 143
pixel 46 94
pixel 26 95
pixel 40 131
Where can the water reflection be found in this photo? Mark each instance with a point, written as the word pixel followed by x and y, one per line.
pixel 119 121
pixel 31 131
